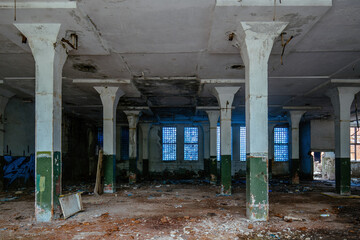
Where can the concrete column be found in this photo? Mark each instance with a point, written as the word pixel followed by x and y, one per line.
pixel 109 97
pixel 225 97
pixel 3 103
pixel 145 128
pixel 213 120
pixel 271 147
pixel 206 149
pixel 256 40
pixel 50 57
pixel 342 98
pixel 133 117
pixel 295 144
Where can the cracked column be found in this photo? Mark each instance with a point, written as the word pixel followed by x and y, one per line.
pixel 225 97
pixel 133 117
pixel 145 128
pixel 295 144
pixel 213 120
pixel 342 98
pixel 109 97
pixel 256 40
pixel 50 57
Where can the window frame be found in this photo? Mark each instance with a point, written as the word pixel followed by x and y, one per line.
pixel 355 144
pixel 281 144
pixel 162 144
pixel 192 143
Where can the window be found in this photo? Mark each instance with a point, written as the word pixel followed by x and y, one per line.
pixel 242 143
pixel 191 143
pixel 354 144
pixel 281 140
pixel 124 143
pixel 218 143
pixel 169 143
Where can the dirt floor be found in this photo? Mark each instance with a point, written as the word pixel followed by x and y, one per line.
pixel 188 210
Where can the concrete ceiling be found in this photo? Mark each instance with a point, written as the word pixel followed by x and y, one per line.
pixel 168 54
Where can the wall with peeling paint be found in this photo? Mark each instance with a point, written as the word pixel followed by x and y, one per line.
pixel 19 128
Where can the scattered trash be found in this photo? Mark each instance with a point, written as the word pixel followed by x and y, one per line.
pixel 291 219
pixel 325 215
pixel 3 229
pixel 18 192
pixel 150 197
pixel 8 199
pixel 71 204
pixel 250 226
pixel 129 194
pixel 178 206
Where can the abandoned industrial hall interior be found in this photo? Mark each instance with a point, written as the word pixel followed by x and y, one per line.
pixel 180 119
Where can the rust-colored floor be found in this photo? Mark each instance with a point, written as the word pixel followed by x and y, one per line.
pixel 189 211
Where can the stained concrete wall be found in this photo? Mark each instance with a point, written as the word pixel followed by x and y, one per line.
pixel 355 169
pixel 19 137
pixel 322 135
pixel 328 165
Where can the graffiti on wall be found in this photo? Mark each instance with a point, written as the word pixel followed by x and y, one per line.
pixel 19 167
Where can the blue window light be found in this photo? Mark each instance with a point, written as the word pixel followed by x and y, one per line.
pixel 169 143
pixel 281 141
pixel 191 143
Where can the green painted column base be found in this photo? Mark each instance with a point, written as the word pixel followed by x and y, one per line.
pixel 132 170
pixel 343 176
pixel 213 170
pixel 48 186
pixel 225 175
pixel 257 188
pixel 295 170
pixel 109 167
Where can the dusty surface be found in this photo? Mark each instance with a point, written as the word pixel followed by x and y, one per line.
pixel 188 211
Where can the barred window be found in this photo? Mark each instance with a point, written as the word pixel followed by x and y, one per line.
pixel 281 144
pixel 242 143
pixel 354 144
pixel 169 143
pixel 191 143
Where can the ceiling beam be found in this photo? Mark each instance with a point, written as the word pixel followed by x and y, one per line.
pixel 101 81
pixel 35 4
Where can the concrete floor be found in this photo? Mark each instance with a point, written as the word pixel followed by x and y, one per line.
pixel 188 210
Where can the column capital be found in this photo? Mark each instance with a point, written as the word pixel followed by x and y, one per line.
pixel 213 116
pixel 133 117
pixel 225 95
pixel 341 99
pixel 295 117
pixel 256 39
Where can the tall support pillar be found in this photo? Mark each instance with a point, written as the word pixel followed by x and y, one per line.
pixel 295 144
pixel 225 97
pixel 213 120
pixel 109 97
pixel 133 117
pixel 50 57
pixel 271 147
pixel 342 98
pixel 3 102
pixel 256 40
pixel 145 128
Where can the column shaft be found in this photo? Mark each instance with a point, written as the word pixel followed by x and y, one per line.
pixel 145 127
pixel 225 96
pixel 213 120
pixel 133 117
pixel 50 57
pixel 342 98
pixel 109 97
pixel 256 41
pixel 295 144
